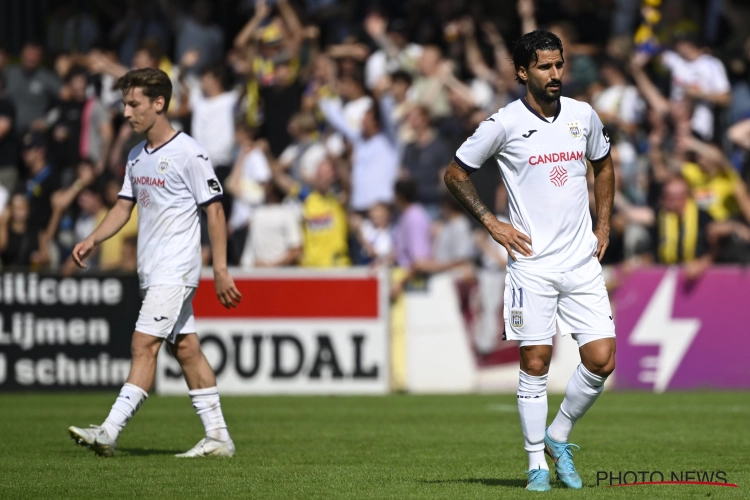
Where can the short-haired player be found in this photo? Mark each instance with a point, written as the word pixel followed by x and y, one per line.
pixel 170 176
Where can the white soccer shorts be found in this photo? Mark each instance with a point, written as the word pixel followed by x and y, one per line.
pixel 167 311
pixel 576 300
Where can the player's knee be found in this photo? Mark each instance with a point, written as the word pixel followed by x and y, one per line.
pixel 144 350
pixel 535 367
pixel 185 351
pixel 603 367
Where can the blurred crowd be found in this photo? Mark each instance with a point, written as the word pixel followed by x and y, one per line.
pixel 330 123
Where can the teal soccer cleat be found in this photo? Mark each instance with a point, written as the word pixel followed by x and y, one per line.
pixel 563 458
pixel 538 480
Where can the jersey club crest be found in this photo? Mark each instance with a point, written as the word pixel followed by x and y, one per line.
pixel 575 129
pixel 163 165
pixel 516 318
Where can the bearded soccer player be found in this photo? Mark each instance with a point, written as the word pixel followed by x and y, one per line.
pixel 170 176
pixel 541 143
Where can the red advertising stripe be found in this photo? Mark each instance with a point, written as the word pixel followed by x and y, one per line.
pixel 264 298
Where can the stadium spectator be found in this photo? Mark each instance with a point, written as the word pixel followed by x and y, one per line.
pixel 195 31
pixel 581 71
pixel 276 234
pixel 394 53
pixel 8 141
pixel 411 236
pixel 41 180
pixel 31 87
pixel 62 222
pixel 374 156
pixel 681 229
pixel 397 87
pixel 141 20
pixel 71 30
pixel 699 79
pixel 274 84
pixel 426 157
pixel 428 88
pixel 375 236
pixel 302 157
pixel 617 102
pixel 21 244
pixel 323 217
pixel 453 243
pixel 212 103
pixel 356 101
pixel 81 126
pixel 92 212
pixel 715 186
pixel 246 184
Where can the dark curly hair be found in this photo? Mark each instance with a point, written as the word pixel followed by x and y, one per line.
pixel 524 50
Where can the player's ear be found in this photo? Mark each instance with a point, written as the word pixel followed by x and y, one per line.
pixel 159 104
pixel 522 73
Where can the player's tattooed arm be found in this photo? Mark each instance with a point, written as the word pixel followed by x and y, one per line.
pixel 604 193
pixel 458 182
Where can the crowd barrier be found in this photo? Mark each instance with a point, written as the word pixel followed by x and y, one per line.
pixel 337 332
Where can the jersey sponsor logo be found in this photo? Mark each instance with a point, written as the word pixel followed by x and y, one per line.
pixel 145 180
pixel 213 186
pixel 556 157
pixel 606 135
pixel 527 135
pixel 163 165
pixel 558 176
pixel 144 198
pixel 575 129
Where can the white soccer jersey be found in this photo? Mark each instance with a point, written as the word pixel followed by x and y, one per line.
pixel 543 164
pixel 169 184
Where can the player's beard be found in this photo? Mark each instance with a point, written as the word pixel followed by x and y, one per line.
pixel 544 94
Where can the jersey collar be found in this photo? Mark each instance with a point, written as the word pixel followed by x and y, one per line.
pixel 157 149
pixel 557 113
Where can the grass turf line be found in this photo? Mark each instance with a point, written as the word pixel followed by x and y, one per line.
pixel 366 447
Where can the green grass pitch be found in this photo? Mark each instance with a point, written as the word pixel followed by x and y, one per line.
pixel 367 447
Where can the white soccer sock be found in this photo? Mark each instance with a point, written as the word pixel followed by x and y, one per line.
pixel 582 390
pixel 532 407
pixel 130 399
pixel 207 406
